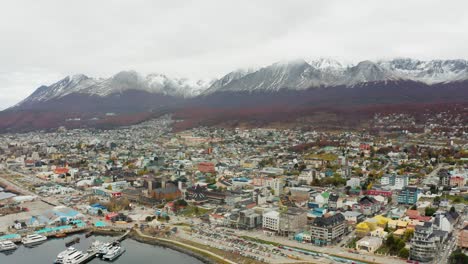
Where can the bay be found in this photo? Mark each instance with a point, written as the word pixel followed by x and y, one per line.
pixel 136 253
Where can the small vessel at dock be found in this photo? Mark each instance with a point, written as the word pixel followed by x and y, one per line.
pixel 62 256
pixel 7 246
pixel 60 235
pixel 72 242
pixel 34 239
pixel 113 253
pixel 76 258
pixel 103 249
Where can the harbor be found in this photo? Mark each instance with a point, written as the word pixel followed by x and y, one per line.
pixel 135 251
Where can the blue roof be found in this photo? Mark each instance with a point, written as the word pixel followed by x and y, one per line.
pixel 100 224
pixel 98 205
pixel 10 236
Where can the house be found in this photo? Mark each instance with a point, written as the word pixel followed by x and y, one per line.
pixel 353 217
pixel 206 167
pixel 367 205
pixel 374 192
pixel 307 176
pixel 462 241
pixel 445 221
pixel 369 244
pixel 322 198
pixel 333 202
pixel 457 181
pixel 300 194
pixel 444 177
pixel 328 230
pixel 353 182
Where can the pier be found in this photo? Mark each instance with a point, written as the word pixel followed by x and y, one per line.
pixel 92 254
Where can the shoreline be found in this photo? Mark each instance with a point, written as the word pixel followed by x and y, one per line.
pixel 134 235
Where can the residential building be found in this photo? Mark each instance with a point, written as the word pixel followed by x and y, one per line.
pixel 333 202
pixel 353 217
pixel 409 195
pixel 444 177
pixel 328 230
pixel 457 181
pixel 394 181
pixel 353 182
pixel 270 221
pixel 462 241
pixel 367 205
pixel 292 220
pixel 426 243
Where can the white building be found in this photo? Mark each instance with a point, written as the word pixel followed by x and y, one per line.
pixel 353 182
pixel 271 221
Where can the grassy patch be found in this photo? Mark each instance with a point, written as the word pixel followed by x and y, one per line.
pixel 324 156
pixel 193 211
pixel 258 240
pixel 457 198
pixel 352 242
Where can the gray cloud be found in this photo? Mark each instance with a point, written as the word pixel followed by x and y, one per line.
pixel 42 41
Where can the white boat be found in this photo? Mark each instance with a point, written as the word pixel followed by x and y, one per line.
pixel 65 254
pixel 7 245
pixel 30 240
pixel 95 246
pixel 103 249
pixel 76 258
pixel 114 253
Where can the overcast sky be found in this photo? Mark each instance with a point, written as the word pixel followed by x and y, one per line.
pixel 44 41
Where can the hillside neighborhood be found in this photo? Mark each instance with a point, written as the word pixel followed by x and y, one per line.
pixel 364 197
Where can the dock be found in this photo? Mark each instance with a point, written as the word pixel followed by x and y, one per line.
pixel 122 237
pixel 92 254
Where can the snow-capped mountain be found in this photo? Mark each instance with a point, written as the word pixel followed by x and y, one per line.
pixel 285 75
pixel 302 74
pixel 274 92
pixel 434 71
pixel 120 82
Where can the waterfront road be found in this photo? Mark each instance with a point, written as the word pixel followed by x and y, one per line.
pixel 334 250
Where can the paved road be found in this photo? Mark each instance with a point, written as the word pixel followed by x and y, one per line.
pixel 432 177
pixel 326 250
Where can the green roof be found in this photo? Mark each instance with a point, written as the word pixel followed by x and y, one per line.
pixel 325 195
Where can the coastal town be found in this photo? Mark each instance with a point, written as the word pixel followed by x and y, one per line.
pixel 247 195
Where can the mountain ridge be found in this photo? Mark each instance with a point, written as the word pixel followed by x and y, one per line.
pixel 296 74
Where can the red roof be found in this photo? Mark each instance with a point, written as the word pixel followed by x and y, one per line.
pixel 424 218
pixel 61 170
pixel 412 214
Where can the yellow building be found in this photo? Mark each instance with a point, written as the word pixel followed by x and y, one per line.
pixel 363 229
pixel 381 220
